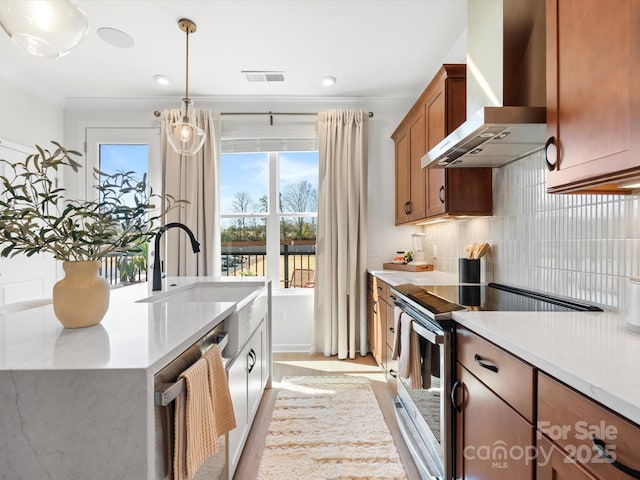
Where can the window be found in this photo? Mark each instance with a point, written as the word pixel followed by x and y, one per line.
pixel 269 205
pixel 123 149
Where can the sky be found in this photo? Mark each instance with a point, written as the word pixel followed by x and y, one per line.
pixel 239 172
pixel 249 172
pixel 127 157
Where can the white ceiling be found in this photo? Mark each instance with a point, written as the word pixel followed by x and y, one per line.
pixel 376 48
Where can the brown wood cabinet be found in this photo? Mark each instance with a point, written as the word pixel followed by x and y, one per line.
pixel 493 438
pixel 427 193
pixel 553 464
pixel 380 325
pixel 593 99
pixel 500 401
pixel 578 426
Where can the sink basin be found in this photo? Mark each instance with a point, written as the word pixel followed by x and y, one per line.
pixel 252 301
pixel 207 292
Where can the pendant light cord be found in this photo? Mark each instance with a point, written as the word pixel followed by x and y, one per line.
pixel 187 67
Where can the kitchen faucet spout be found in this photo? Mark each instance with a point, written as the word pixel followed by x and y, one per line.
pixel 157 267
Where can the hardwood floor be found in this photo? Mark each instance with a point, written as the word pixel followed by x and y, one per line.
pixel 304 364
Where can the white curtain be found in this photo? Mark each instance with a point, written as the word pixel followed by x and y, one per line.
pixel 340 313
pixel 196 179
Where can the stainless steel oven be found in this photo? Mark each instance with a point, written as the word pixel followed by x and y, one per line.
pixel 423 405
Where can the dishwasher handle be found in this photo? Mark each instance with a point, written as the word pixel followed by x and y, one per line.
pixel 168 392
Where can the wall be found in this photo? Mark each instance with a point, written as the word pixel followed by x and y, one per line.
pixel 579 246
pixel 292 311
pixel 29 118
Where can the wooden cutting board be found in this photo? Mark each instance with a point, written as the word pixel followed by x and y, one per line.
pixel 408 267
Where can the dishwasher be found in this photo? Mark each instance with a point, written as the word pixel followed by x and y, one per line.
pixel 167 387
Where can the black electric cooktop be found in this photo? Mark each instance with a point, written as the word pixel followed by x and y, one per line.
pixel 489 297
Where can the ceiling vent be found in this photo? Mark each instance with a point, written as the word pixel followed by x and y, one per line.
pixel 260 76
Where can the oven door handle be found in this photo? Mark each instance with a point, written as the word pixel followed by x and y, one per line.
pixel 428 335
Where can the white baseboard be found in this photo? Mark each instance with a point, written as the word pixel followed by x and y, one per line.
pixel 304 348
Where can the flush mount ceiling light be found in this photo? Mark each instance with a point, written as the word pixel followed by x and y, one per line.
pixel 45 28
pixel 329 80
pixel 185 137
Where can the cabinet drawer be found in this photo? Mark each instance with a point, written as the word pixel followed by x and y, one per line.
pixel 572 420
pixel 381 289
pixel 508 376
pixel 553 464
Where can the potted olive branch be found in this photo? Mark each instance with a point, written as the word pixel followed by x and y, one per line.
pixel 35 217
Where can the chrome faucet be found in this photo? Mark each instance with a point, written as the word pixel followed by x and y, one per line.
pixel 157 267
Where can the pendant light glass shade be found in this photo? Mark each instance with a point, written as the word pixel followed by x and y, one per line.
pixel 185 137
pixel 46 28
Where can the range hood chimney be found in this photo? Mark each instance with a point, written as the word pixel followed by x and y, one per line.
pixel 506 112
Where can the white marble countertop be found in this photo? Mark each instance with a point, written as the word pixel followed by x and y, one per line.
pixel 398 277
pixel 131 335
pixel 593 352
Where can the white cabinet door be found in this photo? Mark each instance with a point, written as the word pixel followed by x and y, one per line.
pixel 256 359
pixel 238 388
pixel 21 277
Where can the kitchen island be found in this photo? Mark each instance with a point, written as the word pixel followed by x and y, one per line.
pixel 78 404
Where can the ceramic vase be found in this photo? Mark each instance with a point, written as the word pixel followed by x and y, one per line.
pixel 81 298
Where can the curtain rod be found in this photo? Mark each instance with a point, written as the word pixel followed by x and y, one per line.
pixel 271 114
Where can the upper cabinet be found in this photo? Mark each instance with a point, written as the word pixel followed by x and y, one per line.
pixel 425 193
pixel 593 98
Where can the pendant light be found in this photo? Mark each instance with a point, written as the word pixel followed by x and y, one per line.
pixel 185 137
pixel 46 28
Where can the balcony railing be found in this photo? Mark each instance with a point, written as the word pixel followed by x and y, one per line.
pixel 121 269
pixel 297 263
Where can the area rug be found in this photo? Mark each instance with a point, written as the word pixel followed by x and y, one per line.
pixel 328 428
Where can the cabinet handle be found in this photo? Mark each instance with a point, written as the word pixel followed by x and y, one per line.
pixel 393 373
pixel 441 194
pixel 407 207
pixel 379 289
pixel 551 142
pixel 392 330
pixel 374 303
pixel 483 364
pixel 457 384
pixel 252 359
pixel 601 448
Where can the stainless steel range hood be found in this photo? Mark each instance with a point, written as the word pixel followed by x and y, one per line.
pixel 506 111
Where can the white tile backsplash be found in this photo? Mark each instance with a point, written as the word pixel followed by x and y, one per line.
pixel 580 246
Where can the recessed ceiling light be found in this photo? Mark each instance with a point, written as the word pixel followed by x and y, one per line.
pixel 161 79
pixel 115 37
pixel 328 81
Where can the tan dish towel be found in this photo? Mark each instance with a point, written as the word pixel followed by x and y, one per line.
pixel 195 428
pixel 409 359
pixel 225 419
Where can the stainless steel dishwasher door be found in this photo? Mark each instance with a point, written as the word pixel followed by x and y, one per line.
pixel 167 388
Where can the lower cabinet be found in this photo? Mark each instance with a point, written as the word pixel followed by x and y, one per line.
pixel 494 398
pixel 380 326
pixel 553 464
pixel 493 441
pixel 247 378
pixel 585 434
pixel 500 400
